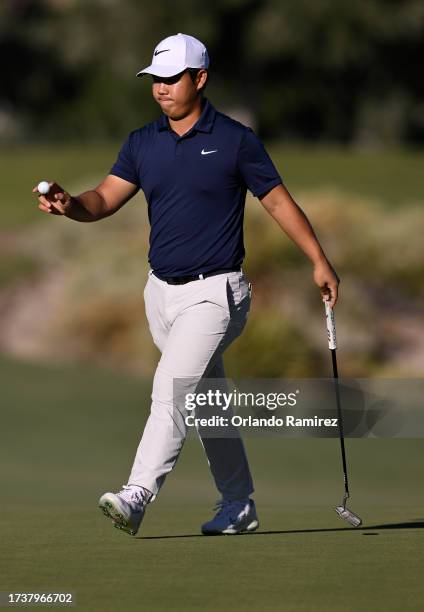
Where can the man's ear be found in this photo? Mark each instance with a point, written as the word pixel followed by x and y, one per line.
pixel 201 79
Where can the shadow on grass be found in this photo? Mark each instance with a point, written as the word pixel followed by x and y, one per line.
pixel 414 524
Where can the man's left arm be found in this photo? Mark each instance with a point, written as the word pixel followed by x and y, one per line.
pixel 293 221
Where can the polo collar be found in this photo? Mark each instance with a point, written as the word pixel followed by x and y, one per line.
pixel 203 124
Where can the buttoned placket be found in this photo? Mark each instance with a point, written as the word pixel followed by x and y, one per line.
pixel 178 143
pixel 179 140
pixel 179 147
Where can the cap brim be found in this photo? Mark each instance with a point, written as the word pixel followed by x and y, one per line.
pixel 162 71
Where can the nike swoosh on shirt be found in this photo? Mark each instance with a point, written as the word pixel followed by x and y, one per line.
pixel 162 51
pixel 207 152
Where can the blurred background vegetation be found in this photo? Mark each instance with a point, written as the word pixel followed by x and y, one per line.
pixel 333 87
pixel 331 70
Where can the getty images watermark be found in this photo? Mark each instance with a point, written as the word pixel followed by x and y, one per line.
pixel 299 407
pixel 227 401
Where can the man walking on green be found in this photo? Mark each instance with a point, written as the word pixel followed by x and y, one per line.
pixel 194 165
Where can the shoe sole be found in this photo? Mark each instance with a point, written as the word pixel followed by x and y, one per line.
pixel 250 527
pixel 112 512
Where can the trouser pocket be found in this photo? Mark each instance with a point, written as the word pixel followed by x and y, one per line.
pixel 239 293
pixel 238 290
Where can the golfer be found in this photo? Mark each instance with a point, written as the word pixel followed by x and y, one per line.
pixel 194 165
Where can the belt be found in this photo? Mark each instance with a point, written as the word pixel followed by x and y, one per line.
pixel 182 280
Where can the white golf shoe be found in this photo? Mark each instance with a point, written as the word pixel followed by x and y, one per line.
pixel 126 508
pixel 232 517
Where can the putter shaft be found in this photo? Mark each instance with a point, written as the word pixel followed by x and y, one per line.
pixel 342 511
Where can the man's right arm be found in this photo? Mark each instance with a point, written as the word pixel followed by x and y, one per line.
pixel 91 205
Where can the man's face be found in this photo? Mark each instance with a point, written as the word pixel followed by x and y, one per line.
pixel 178 95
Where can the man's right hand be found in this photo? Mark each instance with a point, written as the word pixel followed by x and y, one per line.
pixel 56 202
pixel 92 205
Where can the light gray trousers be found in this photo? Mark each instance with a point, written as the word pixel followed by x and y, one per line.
pixel 192 325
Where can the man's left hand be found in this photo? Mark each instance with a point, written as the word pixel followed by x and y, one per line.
pixel 328 281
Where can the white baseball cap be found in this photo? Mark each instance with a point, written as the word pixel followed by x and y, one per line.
pixel 175 54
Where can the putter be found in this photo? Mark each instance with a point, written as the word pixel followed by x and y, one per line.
pixel 346 514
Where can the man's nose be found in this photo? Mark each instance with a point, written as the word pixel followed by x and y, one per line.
pixel 163 88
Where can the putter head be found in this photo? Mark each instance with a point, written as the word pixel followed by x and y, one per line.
pixel 348 516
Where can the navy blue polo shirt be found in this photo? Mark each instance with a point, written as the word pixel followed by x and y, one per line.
pixel 195 186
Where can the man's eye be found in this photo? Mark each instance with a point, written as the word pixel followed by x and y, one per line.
pixel 168 80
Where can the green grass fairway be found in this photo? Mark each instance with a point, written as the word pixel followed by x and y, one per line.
pixel 70 434
pixel 301 559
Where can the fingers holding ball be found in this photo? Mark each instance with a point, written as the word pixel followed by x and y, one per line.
pixel 51 197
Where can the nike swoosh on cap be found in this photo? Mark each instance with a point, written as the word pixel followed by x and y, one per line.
pixel 162 51
pixel 207 152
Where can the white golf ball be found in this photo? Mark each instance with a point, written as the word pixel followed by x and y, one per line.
pixel 43 187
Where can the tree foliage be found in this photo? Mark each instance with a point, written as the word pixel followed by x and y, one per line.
pixel 324 70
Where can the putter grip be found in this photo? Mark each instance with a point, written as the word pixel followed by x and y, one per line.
pixel 331 326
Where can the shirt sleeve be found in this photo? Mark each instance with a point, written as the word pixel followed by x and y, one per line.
pixel 255 165
pixel 125 166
